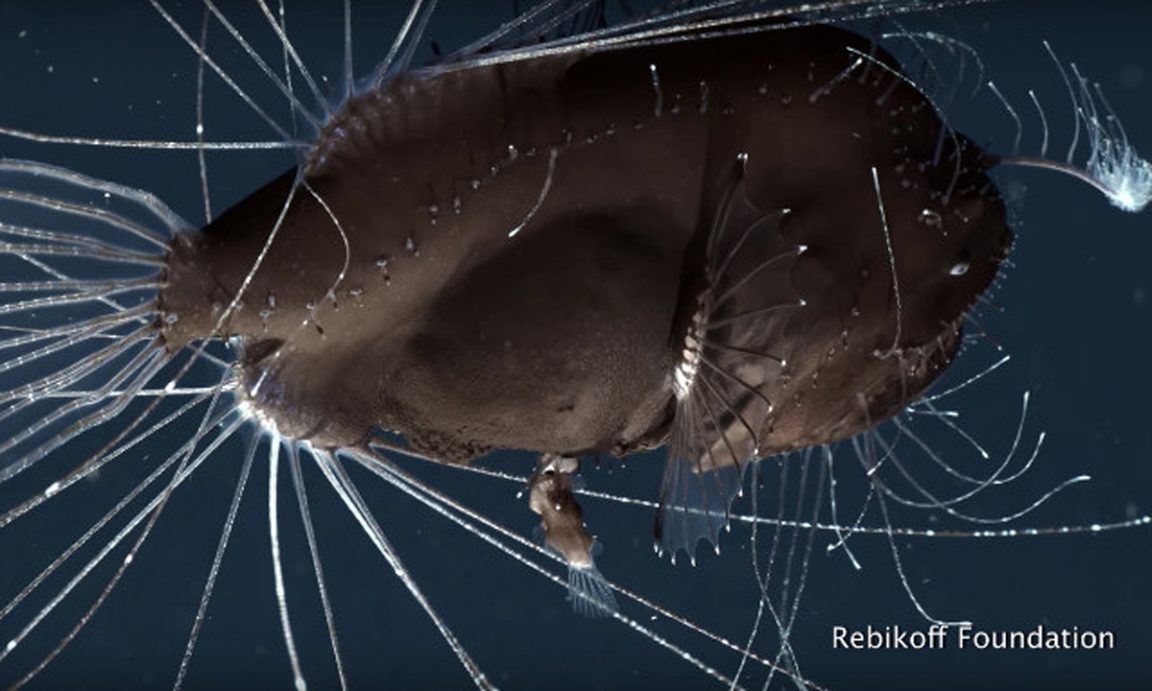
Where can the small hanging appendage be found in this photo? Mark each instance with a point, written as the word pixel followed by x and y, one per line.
pixel 562 525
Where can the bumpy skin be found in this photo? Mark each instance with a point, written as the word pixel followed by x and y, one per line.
pixel 563 338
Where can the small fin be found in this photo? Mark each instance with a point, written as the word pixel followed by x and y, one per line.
pixel 725 361
pixel 694 503
pixel 589 593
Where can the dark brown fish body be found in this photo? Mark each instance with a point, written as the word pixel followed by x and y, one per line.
pixel 638 186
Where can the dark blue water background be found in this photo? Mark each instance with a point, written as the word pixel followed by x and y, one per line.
pixel 1075 317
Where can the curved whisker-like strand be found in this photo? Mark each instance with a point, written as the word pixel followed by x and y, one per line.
pixel 753 518
pixel 347 492
pixel 751 274
pixel 73 334
pixel 98 525
pixel 278 26
pixel 80 287
pixel 143 371
pixel 277 561
pixel 147 362
pixel 948 422
pixel 734 411
pixel 739 382
pixel 108 218
pixel 899 563
pixel 540 20
pixel 171 222
pixel 83 539
pixel 1012 114
pixel 217 560
pixel 1043 123
pixel 964 384
pixel 173 391
pixel 944 465
pixel 314 553
pixel 805 560
pixel 114 256
pixel 330 295
pixel 714 324
pixel 298 108
pixel 407 38
pixel 202 152
pixel 70 375
pixel 265 248
pixel 148 512
pixel 844 532
pixel 994 478
pixel 725 234
pixel 722 18
pixel 460 514
pixel 786 607
pixel 719 270
pixel 65 239
pixel 98 461
pixel 840 534
pixel 952 45
pixel 349 73
pixel 946 505
pixel 155 144
pixel 748 352
pixel 220 72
